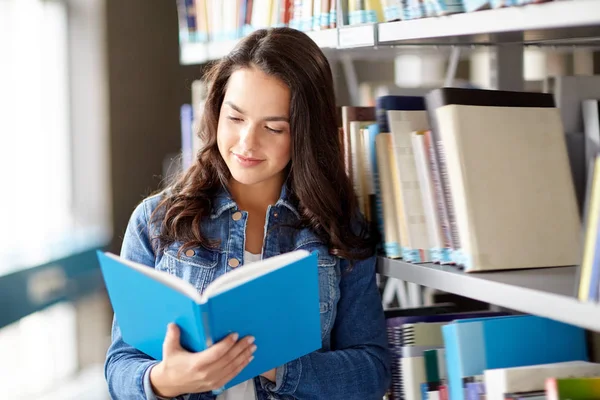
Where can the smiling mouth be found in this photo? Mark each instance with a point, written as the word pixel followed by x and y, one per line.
pixel 247 161
pixel 246 158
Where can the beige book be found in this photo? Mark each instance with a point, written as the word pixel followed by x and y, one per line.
pixel 511 186
pixel 358 163
pixel 369 182
pixel 413 227
pixel 391 240
pixel 434 231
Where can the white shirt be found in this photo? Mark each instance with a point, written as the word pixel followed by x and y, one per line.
pixel 244 390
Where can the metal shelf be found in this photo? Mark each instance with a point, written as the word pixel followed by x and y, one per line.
pixel 548 292
pixel 568 22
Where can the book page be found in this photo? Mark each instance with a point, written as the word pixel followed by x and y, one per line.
pixel 249 272
pixel 171 281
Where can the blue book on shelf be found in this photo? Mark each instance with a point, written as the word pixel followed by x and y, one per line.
pixel 276 300
pixel 187 121
pixel 475 345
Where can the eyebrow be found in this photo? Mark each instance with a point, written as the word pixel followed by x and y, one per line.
pixel 270 119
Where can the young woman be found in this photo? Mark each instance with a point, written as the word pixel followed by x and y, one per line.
pixel 269 180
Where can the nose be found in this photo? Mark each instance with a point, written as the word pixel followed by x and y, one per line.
pixel 249 136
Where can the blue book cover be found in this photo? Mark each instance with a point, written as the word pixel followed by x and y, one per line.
pixel 473 346
pixel 276 300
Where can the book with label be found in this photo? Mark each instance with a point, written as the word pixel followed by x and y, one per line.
pixel 512 189
pixel 246 301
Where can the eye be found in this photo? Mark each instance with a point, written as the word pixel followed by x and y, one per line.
pixel 234 119
pixel 274 130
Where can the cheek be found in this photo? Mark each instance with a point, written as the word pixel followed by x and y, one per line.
pixel 282 149
pixel 225 138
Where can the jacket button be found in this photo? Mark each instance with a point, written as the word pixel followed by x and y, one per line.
pixel 275 215
pixel 233 262
pixel 190 253
pixel 237 216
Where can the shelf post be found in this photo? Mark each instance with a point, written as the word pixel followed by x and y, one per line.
pixel 506 63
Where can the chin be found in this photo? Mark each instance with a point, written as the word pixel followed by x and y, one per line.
pixel 246 178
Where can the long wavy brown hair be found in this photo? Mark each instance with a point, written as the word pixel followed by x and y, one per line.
pixel 316 178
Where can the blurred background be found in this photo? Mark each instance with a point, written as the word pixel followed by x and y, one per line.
pixel 90 101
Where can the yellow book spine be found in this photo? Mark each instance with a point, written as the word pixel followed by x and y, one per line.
pixel 591 235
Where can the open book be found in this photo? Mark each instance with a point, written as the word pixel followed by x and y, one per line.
pixel 276 300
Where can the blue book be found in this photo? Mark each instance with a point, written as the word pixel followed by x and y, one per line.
pixel 473 346
pixel 276 300
pixel 187 120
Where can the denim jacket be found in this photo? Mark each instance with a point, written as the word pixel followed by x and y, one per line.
pixel 353 362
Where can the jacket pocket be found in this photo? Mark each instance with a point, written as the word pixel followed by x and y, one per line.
pixel 196 265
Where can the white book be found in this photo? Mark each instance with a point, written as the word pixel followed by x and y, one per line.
pixel 402 124
pixel 591 125
pixel 434 231
pixel 511 187
pixel 391 242
pixel 413 374
pixel 533 378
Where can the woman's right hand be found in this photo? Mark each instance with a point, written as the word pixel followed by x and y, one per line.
pixel 181 371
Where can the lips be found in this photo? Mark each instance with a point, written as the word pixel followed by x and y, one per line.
pixel 247 161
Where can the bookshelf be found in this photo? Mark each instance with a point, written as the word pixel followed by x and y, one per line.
pixel 547 292
pixel 568 22
pixel 539 23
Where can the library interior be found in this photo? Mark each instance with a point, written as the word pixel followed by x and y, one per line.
pixel 475 225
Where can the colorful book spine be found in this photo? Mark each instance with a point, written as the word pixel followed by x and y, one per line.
pixel 591 252
pixel 573 388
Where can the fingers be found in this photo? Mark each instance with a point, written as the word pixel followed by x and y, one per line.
pixel 171 343
pixel 244 348
pixel 214 353
pixel 237 359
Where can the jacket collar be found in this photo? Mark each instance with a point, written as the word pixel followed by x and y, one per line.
pixel 223 201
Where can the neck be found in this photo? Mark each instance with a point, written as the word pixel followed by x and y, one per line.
pixel 257 197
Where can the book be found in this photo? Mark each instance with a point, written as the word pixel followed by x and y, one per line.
pixel 589 269
pixel 391 237
pixel 573 388
pixel 349 114
pixel 476 97
pixel 533 377
pixel 411 214
pixel 246 301
pixel 591 123
pixel 475 345
pixel 507 211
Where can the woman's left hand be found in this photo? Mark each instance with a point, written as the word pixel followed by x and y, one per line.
pixel 271 375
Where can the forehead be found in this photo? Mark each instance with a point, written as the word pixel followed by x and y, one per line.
pixel 252 90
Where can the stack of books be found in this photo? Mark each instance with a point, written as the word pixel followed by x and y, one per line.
pixel 438 353
pixel 479 179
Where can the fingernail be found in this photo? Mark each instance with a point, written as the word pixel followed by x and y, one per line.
pixel 235 337
pixel 253 349
pixel 251 339
pixel 251 358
